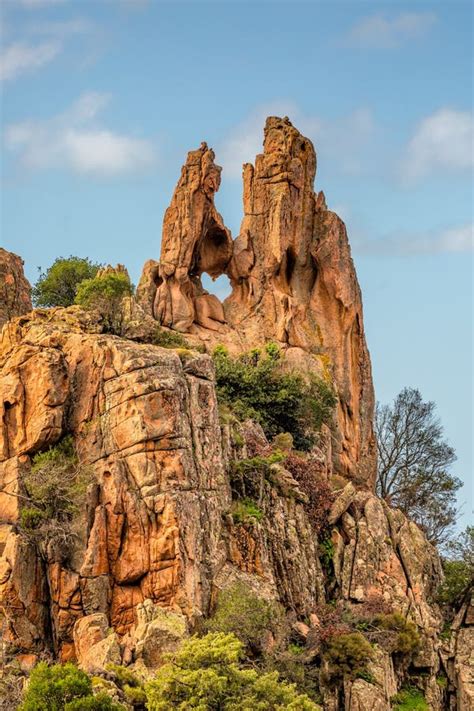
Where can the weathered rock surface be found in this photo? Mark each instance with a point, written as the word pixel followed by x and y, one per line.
pixel 15 290
pixel 292 276
pixel 194 241
pixel 156 536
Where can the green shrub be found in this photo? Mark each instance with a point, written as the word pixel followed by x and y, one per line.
pixel 63 688
pixel 245 511
pixel 168 339
pixel 104 294
pixel 409 699
pixel 58 285
pixel 255 386
pixel 348 655
pixel 249 617
pixel 326 554
pixel 130 684
pixel 54 488
pixel 458 577
pixel 405 638
pixel 206 674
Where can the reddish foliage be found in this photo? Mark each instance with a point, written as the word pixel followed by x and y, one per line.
pixel 309 473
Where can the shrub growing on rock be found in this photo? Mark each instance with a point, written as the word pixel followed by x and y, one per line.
pixel 241 612
pixel 105 294
pixel 57 286
pixel 63 688
pixel 255 387
pixel 409 699
pixel 402 636
pixel 348 655
pixel 54 488
pixel 206 673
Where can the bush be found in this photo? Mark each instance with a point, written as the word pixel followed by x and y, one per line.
pixel 249 617
pixel 255 387
pixel 54 487
pixel 307 473
pixel 409 699
pixel 458 566
pixel 130 684
pixel 168 339
pixel 246 511
pixel 348 655
pixel 63 688
pixel 405 638
pixel 104 294
pixel 58 285
pixel 206 674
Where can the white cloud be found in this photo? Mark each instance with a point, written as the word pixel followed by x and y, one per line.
pixel 382 32
pixel 441 142
pixel 20 58
pixel 74 141
pixel 451 240
pixel 346 143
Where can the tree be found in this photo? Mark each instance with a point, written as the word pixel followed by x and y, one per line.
pixel 105 294
pixel 413 464
pixel 57 286
pixel 206 675
pixel 458 566
pixel 63 687
pixel 54 487
pixel 254 386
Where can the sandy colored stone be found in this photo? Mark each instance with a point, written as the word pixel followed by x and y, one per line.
pixel 15 290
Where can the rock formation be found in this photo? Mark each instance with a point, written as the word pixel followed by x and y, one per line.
pixel 15 291
pixel 194 241
pixel 292 276
pixel 154 537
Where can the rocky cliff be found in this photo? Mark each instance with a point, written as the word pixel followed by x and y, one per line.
pixel 155 536
pixel 15 291
pixel 293 279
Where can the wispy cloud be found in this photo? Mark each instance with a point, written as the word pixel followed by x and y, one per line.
pixel 22 58
pixel 346 142
pixel 456 239
pixel 383 32
pixel 441 142
pixel 76 142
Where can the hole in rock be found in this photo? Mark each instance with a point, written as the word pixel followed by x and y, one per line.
pixel 219 287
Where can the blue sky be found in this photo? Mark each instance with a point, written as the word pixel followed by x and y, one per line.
pixel 101 100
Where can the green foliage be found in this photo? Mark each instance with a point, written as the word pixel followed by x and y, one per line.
pixel 458 566
pixel 54 487
pixel 406 639
pixel 326 554
pixel 104 294
pixel 246 511
pixel 130 684
pixel 283 442
pixel 206 674
pixel 100 702
pixel 58 285
pixel 63 688
pixel 247 616
pixel 409 699
pixel 254 386
pixel 348 655
pixel 169 339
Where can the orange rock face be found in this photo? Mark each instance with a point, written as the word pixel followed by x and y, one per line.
pixel 292 275
pixel 15 290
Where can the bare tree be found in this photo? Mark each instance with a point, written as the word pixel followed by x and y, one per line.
pixel 413 464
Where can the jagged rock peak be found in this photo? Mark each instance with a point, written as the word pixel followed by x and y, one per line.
pixel 292 276
pixel 15 289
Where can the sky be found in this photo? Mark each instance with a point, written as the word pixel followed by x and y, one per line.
pixel 102 99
